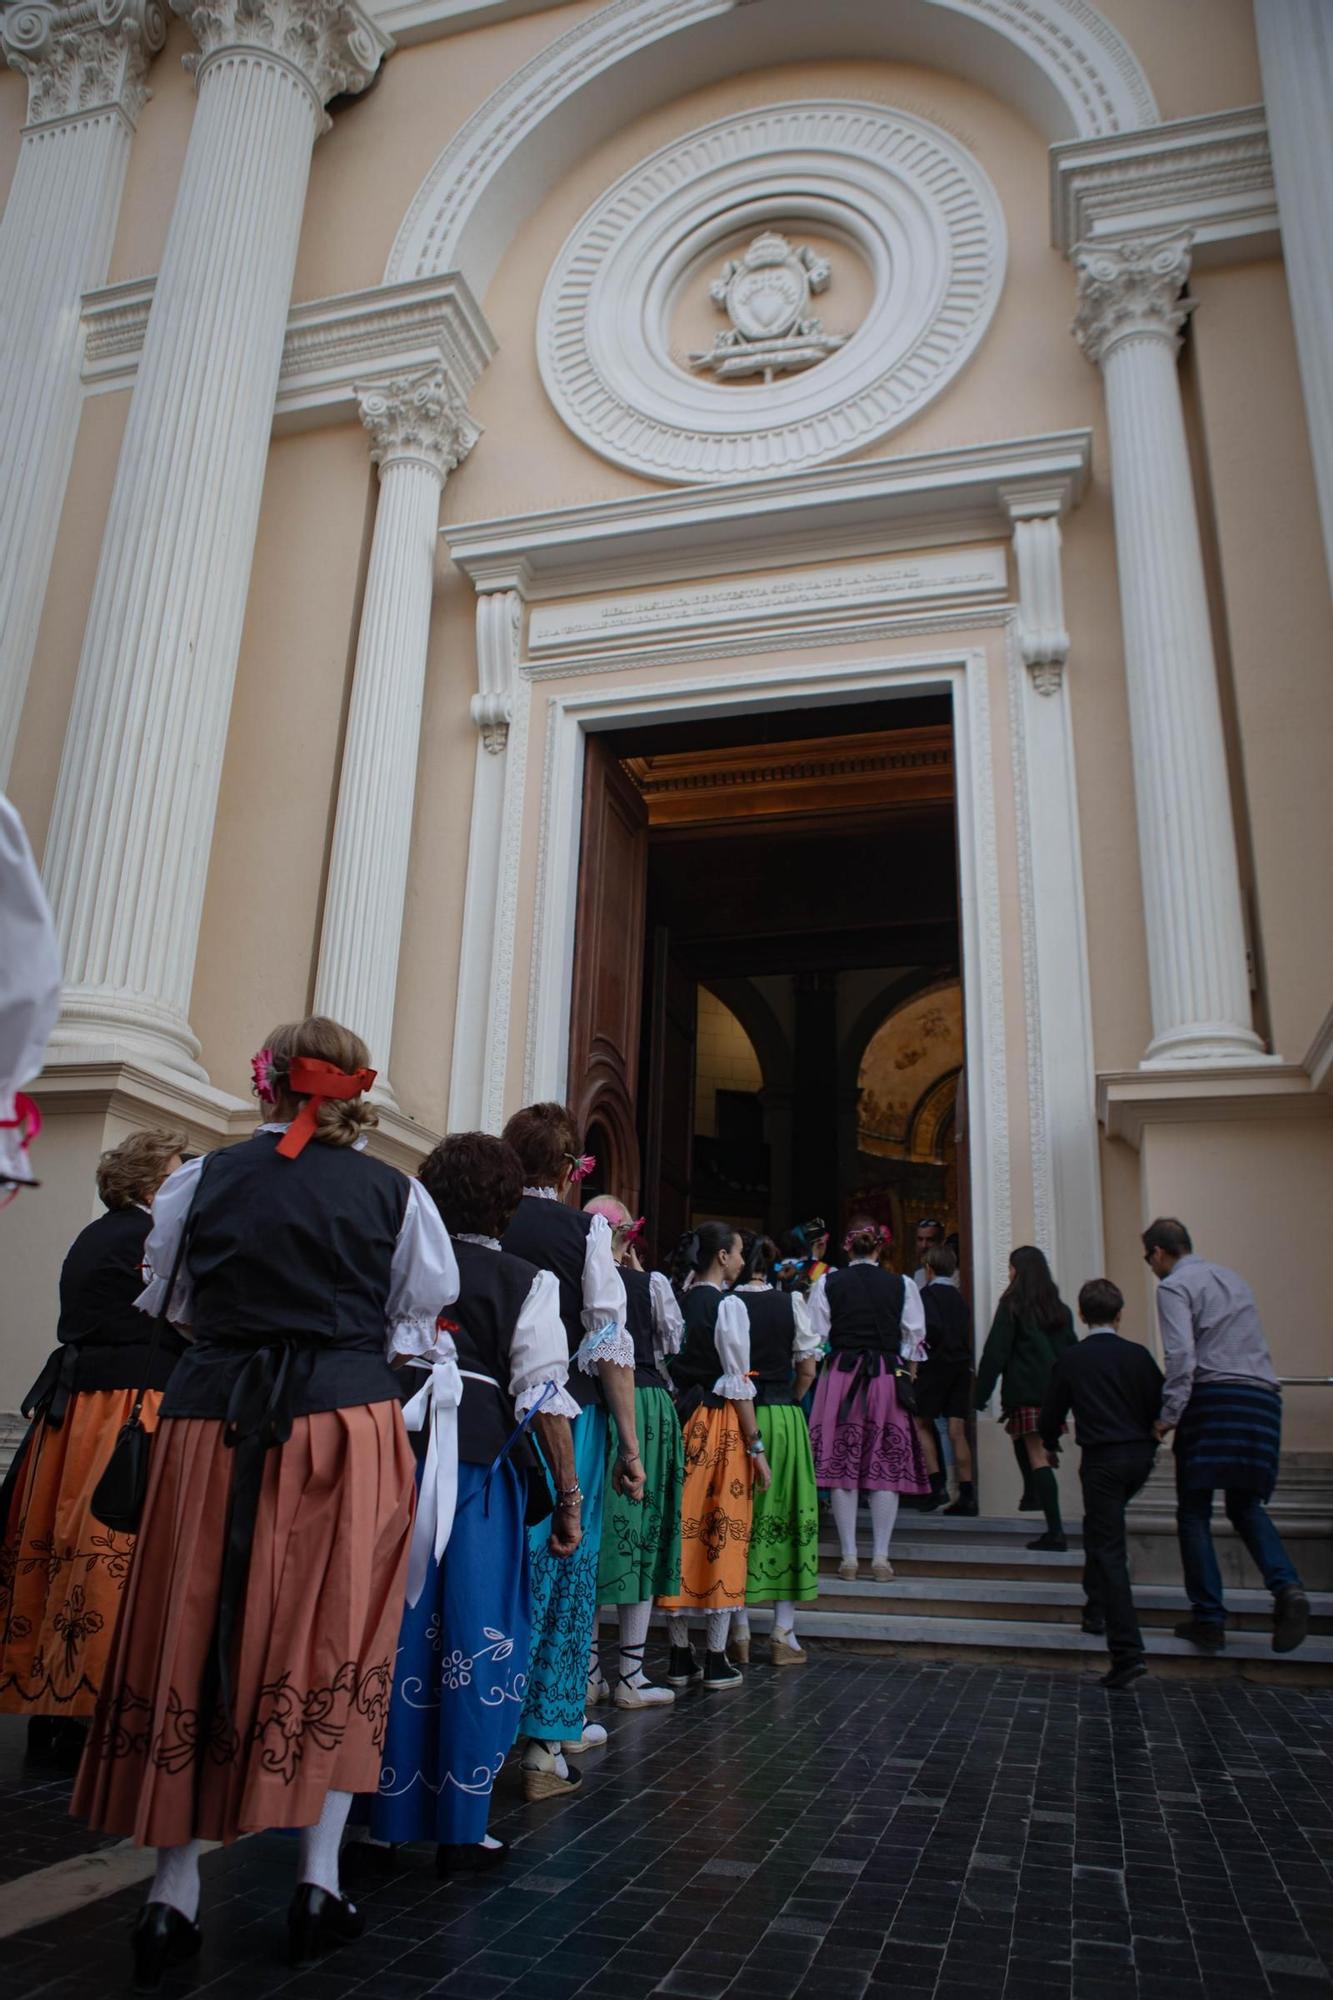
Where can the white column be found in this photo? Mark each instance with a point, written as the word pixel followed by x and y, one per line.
pixel 85 67
pixel 1296 56
pixel 481 1016
pixel 420 431
pixel 1129 318
pixel 131 830
pixel 1063 1103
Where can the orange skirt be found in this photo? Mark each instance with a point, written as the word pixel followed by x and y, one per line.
pixel 316 1634
pixel 716 1510
pixel 62 1574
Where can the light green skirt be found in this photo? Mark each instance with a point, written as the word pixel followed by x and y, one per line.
pixel 784 1541
pixel 641 1542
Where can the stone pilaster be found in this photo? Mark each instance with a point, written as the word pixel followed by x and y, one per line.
pixel 420 431
pixel 1130 313
pixel 86 67
pixel 132 825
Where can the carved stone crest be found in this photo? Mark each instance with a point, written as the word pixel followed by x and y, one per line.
pixel 766 296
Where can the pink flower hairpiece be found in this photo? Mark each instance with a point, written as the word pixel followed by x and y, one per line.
pixel 883 1237
pixel 579 1169
pixel 264 1074
pixel 634 1230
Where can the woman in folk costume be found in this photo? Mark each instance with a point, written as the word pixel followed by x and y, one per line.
pixel 576 1247
pixel 641 1540
pixel 61 1571
pixel 783 1565
pixel 248 1686
pixel 863 1437
pixel 724 1454
pixel 461 1671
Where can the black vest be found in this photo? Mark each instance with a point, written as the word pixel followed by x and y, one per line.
pixel 948 1325
pixel 104 1338
pixel 555 1238
pixel 493 1289
pixel 698 1365
pixel 292 1258
pixel 639 1320
pixel 865 1310
pixel 772 1338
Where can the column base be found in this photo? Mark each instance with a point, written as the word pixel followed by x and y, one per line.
pixel 1209 1044
pixel 96 1025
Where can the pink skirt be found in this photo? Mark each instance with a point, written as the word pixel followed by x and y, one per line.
pixel 866 1442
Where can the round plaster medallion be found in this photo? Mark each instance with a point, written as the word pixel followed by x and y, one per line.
pixel 900 200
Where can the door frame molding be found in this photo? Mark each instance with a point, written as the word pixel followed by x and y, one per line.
pixel 962 673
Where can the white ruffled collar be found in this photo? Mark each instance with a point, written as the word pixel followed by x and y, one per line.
pixel 486 1242
pixel 542 1193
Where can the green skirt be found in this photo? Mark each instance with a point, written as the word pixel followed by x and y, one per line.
pixel 641 1541
pixel 784 1541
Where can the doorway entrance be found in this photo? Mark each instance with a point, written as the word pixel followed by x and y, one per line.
pixel 767 1018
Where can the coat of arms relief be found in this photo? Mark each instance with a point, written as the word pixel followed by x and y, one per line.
pixel 766 296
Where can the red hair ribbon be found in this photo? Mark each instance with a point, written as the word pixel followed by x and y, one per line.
pixel 314 1080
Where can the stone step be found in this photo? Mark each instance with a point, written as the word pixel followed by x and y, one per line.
pixel 914 1556
pixel 1031 1599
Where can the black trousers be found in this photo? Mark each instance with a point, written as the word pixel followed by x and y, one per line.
pixel 1112 1474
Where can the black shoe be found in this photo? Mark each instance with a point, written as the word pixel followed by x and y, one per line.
pixel 162 1938
pixel 966 1503
pixel 1056 1543
pixel 1205 1633
pixel 468 1858
pixel 720 1675
pixel 683 1670
pixel 1126 1674
pixel 1094 1624
pixel 1291 1619
pixel 316 1920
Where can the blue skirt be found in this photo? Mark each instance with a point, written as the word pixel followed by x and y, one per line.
pixel 1229 1436
pixel 564 1600
pixel 460 1677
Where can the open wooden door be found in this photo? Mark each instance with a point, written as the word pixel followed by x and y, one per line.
pixel 669 1124
pixel 607 1000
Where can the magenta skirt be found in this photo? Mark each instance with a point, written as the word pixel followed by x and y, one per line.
pixel 864 1442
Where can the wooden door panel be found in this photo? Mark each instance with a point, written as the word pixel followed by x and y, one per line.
pixel 669 1126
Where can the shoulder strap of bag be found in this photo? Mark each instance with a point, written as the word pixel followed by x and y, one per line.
pixel 160 1320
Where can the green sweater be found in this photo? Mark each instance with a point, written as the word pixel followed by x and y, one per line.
pixel 1020 1357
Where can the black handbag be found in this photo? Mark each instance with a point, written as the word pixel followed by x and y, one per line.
pixel 119 1494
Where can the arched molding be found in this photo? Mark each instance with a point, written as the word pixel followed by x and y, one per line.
pixel 932 1115
pixel 895 994
pixel 1060 63
pixel 768 1037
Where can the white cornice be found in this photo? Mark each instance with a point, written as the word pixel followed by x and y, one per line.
pixel 1209 176
pixel 1129 1100
pixel 872 507
pixel 431 20
pixel 332 345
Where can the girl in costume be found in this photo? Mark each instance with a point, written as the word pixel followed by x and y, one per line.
pixel 62 1572
pixel 461 1671
pixel 783 1565
pixel 861 1432
pixel 576 1247
pixel 724 1454
pixel 248 1685
pixel 641 1542
pixel 1031 1329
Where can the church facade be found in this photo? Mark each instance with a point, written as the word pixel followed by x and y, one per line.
pixel 519 516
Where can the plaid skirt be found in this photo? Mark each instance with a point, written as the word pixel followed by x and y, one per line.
pixel 1025 1421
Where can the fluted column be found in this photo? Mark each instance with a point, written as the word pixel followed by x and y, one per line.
pixel 481 1014
pixel 132 826
pixel 420 431
pixel 86 65
pixel 1129 318
pixel 1296 56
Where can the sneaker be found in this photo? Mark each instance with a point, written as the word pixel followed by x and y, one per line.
pixel 642 1694
pixel 847 1569
pixel 1056 1544
pixel 1291 1619
pixel 1205 1633
pixel 882 1570
pixel 720 1676
pixel 683 1670
pixel 1125 1674
pixel 593 1738
pixel 1093 1624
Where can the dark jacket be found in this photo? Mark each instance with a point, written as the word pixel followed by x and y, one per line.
pixel 1020 1358
pixel 948 1324
pixel 1113 1386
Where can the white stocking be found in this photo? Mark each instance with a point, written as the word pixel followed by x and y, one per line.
pixel 633 1638
pixel 177 1878
pixel 784 1620
pixel 317 1861
pixel 718 1624
pixel 740 1624
pixel 678 1630
pixel 883 1514
pixel 844 1520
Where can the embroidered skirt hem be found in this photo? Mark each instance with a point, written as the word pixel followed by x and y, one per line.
pixel 715 1514
pixel 784 1536
pixel 640 1556
pixel 865 1441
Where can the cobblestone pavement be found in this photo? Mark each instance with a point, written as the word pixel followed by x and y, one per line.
pixel 863 1827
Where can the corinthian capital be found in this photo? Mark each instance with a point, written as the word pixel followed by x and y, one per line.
pixel 83 56
pixel 417 417
pixel 333 45
pixel 1130 288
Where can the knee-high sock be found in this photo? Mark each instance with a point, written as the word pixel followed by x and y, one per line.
pixel 1024 1466
pixel 317 1861
pixel 784 1618
pixel 718 1625
pixel 1046 1487
pixel 678 1630
pixel 633 1637
pixel 844 1520
pixel 883 1514
pixel 177 1878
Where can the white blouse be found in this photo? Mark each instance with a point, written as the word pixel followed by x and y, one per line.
pixel 668 1320
pixel 731 1337
pixel 807 1342
pixel 606 1337
pixel 538 1347
pixel 423 1277
pixel 912 1335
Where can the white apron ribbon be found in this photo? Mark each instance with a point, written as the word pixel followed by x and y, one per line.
pixel 434 1408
